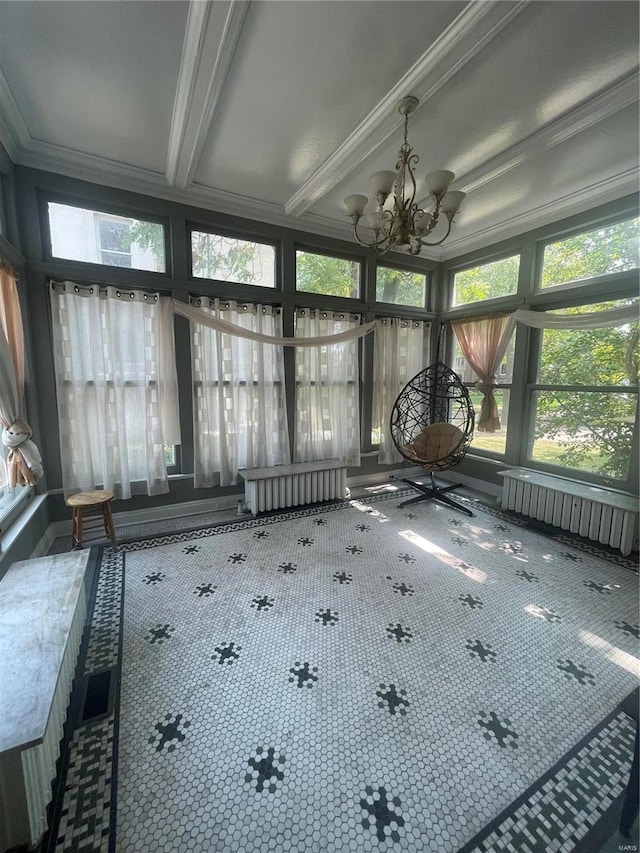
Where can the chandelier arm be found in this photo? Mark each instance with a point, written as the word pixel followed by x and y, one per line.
pixel 375 244
pixel 417 213
pixel 413 158
pixel 437 243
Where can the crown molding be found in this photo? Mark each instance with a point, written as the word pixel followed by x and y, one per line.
pixel 602 106
pixel 211 37
pixel 98 170
pixel 76 164
pixel 601 192
pixel 14 133
pixel 466 36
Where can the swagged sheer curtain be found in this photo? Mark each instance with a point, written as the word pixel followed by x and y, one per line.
pixel 240 418
pixel 484 342
pixel 117 390
pixel 24 465
pixel 397 356
pixel 327 390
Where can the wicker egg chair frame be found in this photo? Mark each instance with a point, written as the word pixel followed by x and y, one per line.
pixel 435 398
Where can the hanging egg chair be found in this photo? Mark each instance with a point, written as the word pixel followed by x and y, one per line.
pixel 431 425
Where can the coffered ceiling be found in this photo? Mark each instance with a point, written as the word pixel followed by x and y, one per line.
pixel 277 110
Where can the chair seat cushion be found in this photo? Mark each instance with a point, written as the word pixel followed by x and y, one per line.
pixel 434 443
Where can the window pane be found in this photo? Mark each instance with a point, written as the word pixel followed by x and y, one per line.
pixel 467 374
pixel 605 250
pixel 489 281
pixel 492 441
pixel 80 234
pixel 585 431
pixel 400 287
pixel 607 356
pixel 114 235
pixel 327 275
pixel 115 259
pixel 228 259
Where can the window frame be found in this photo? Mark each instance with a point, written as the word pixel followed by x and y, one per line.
pixel 340 301
pixel 487 305
pixel 248 292
pixel 578 231
pixel 426 274
pixel 107 209
pixel 502 386
pixel 533 386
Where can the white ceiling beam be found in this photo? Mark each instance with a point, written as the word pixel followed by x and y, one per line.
pixel 600 107
pixel 473 29
pixel 210 40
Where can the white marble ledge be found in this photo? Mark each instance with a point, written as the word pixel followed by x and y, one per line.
pixel 38 599
pixel 293 468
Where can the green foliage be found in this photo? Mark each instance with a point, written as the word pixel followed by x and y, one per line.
pixel 148 235
pixel 606 250
pixel 593 430
pixel 213 256
pixel 327 275
pixel 400 287
pixel 489 281
pixel 220 258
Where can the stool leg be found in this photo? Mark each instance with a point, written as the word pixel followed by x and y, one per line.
pixel 108 524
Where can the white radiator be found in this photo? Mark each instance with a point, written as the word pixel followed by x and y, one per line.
pixel 603 515
pixel 293 485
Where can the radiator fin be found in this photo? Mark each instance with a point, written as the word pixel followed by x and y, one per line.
pixel 295 488
pixel 610 518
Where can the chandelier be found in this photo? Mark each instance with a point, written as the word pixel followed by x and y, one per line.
pixel 404 224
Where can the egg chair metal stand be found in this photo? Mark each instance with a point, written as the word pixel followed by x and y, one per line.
pixel 431 425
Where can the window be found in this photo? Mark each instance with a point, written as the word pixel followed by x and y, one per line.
pixel 327 390
pixel 12 498
pixel 398 355
pixel 585 398
pixel 114 241
pixel 489 281
pixel 116 385
pixel 223 258
pixel 400 287
pixel 492 442
pixel 610 249
pixel 96 237
pixel 327 275
pixel 240 416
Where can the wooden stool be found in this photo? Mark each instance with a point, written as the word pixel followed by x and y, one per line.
pixel 94 508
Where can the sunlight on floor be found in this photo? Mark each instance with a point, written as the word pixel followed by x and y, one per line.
pixel 612 653
pixel 372 513
pixel 444 556
pixel 381 489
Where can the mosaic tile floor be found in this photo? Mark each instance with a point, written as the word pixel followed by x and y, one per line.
pixel 354 677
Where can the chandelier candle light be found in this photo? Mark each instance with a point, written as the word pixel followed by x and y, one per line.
pixel 404 224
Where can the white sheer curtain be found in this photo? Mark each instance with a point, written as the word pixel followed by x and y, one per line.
pixel 398 354
pixel 114 359
pixel 240 418
pixel 593 320
pixel 327 390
